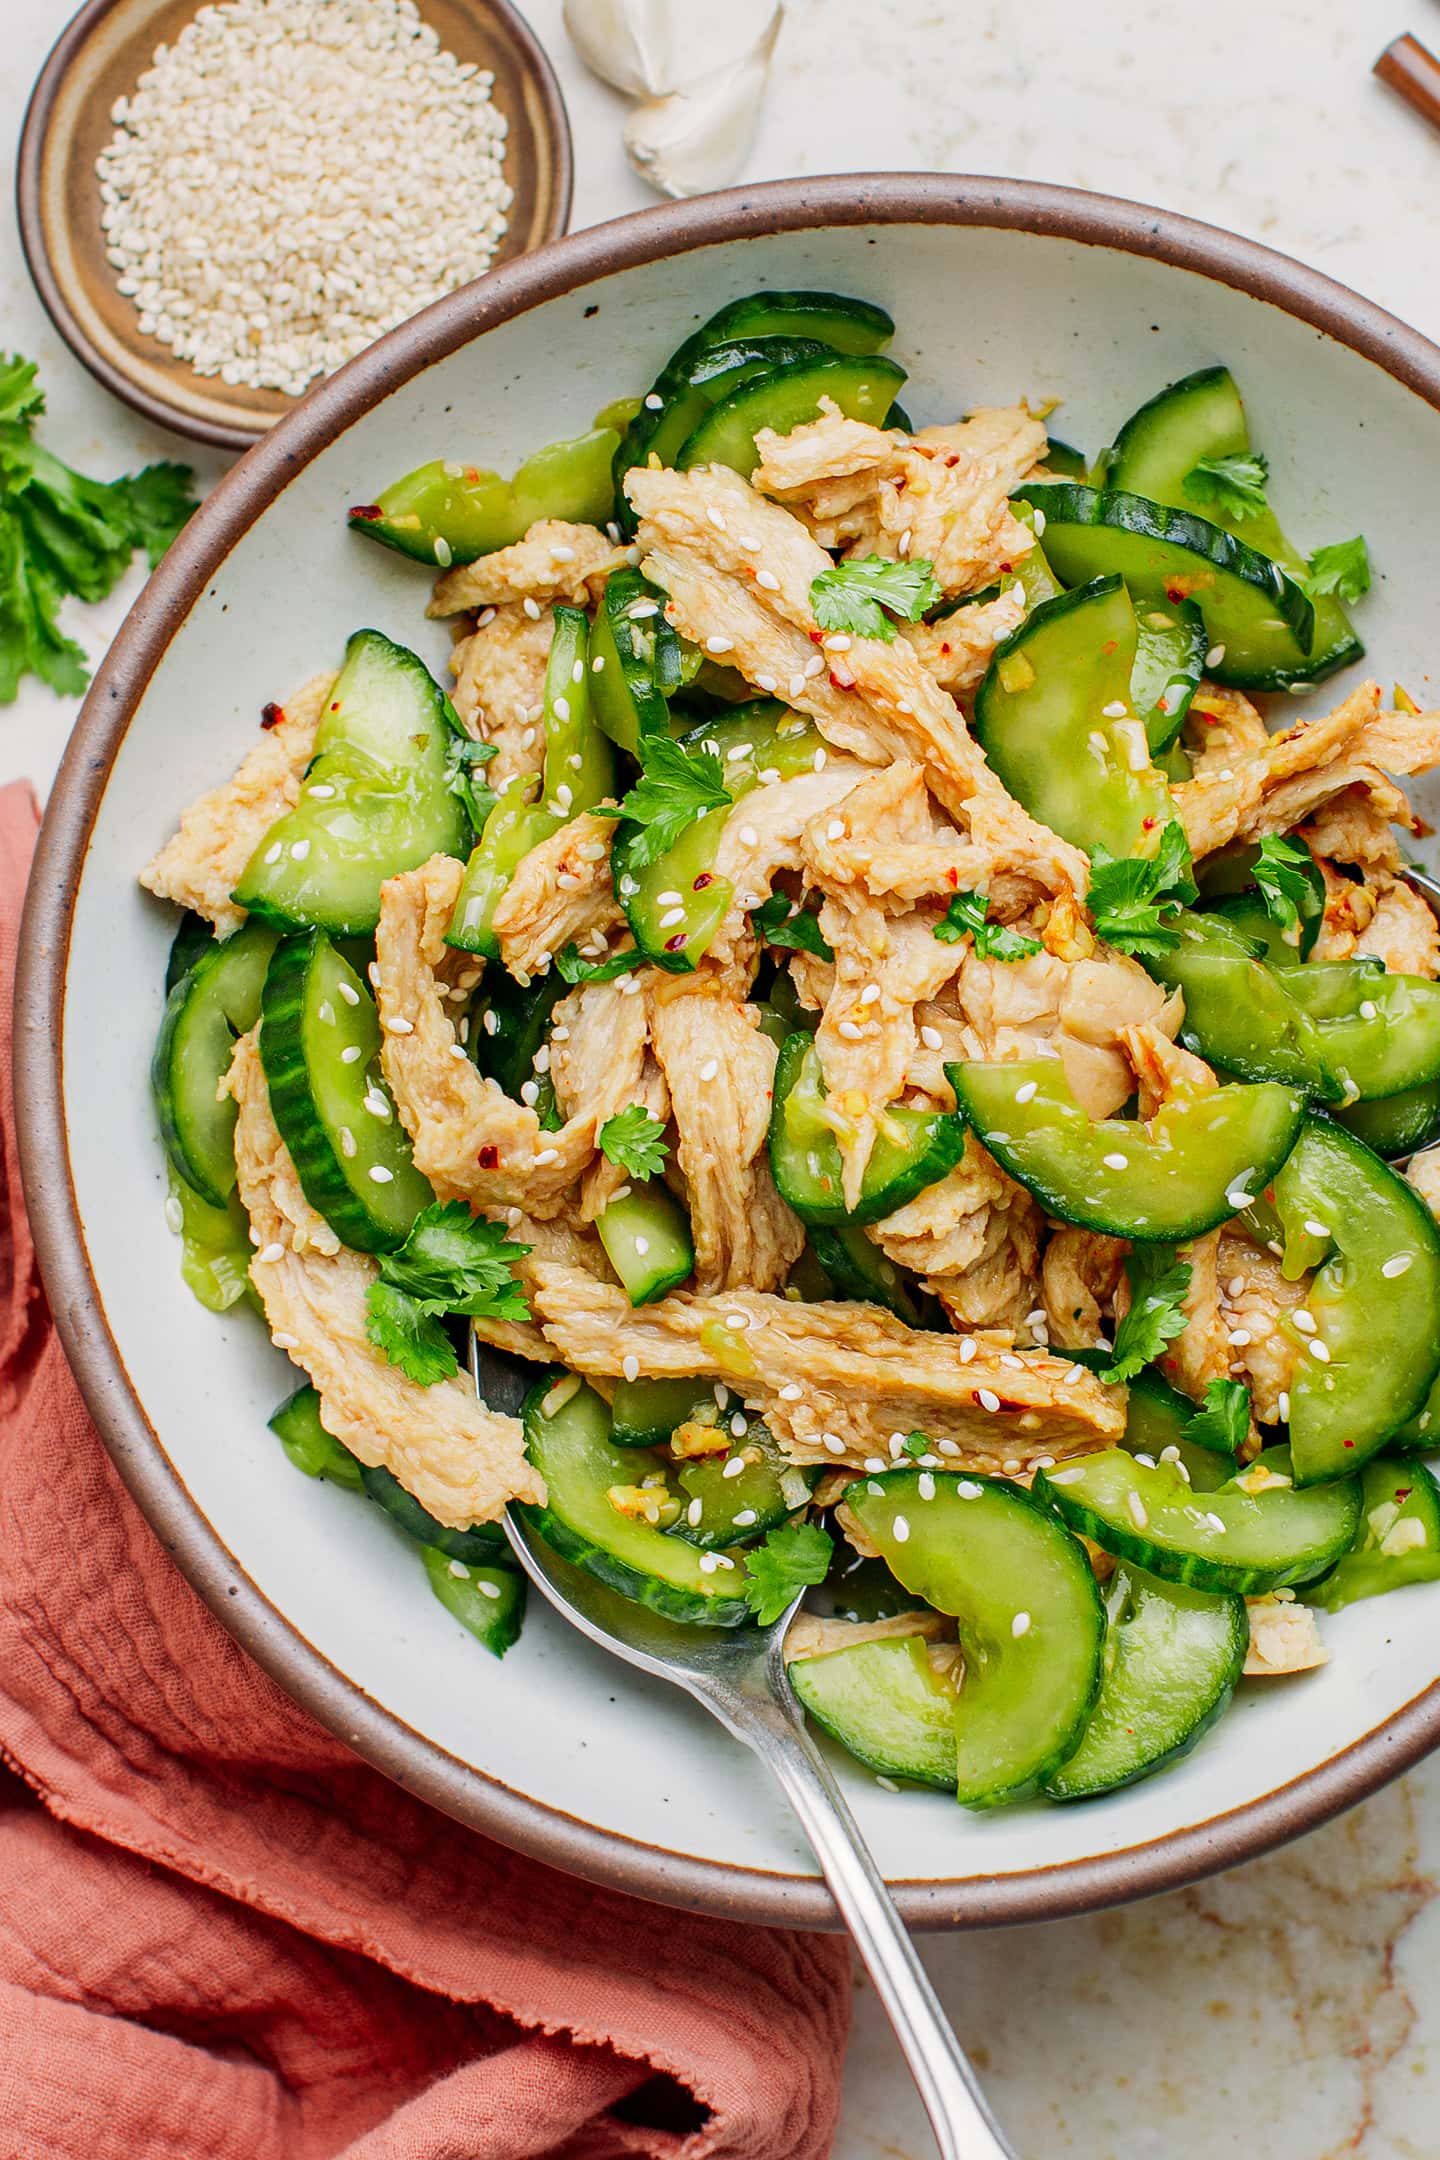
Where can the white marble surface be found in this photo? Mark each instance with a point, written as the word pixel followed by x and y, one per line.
pixel 1290 2009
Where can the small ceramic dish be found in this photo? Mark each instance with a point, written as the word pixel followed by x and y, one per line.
pixel 1000 289
pixel 97 59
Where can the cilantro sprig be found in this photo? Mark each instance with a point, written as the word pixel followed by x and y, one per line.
pixel 465 763
pixel 1158 1286
pixel 451 1262
pixel 1132 897
pixel 791 1558
pixel 1223 1422
pixel 635 1141
pixel 967 916
pixel 63 535
pixel 780 922
pixel 1233 485
pixel 1291 884
pixel 675 787
pixel 1343 569
pixel 863 596
pixel 573 969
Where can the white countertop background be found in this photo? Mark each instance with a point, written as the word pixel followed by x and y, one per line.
pixel 1289 2010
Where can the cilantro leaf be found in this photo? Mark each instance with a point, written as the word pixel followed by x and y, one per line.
pixel 21 397
pixel 575 970
pixel 1224 1422
pixel 1158 1283
pixel 1234 485
pixel 465 763
pixel 1130 896
pixel 456 1262
pixel 856 595
pixel 993 941
pixel 780 922
pixel 1291 884
pixel 1342 569
pixel 791 1557
pixel 916 1444
pixel 635 1140
pixel 158 501
pixel 410 1337
pixel 676 787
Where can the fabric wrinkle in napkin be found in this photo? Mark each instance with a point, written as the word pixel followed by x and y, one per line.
pixel 224 1937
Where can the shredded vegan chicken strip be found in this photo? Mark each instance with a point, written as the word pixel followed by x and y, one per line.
pixel 500 689
pixel 1081 1273
pixel 554 561
pixel 560 894
pixel 460 1460
pixel 1284 1636
pixel 950 502
pixel 863 1374
pixel 200 866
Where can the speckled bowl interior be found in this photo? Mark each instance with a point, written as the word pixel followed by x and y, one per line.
pixel 1000 291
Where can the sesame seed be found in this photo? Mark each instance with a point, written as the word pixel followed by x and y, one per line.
pixel 989 1400
pixel 548 1155
pixel 932 1038
pixel 745 1517
pixel 1115 711
pixel 630 1366
pixel 376 1104
pixel 734 1467
pixel 968 1348
pixel 719 644
pixel 767 683
pixel 1368 1008
pixel 737 1319
pixel 748 836
pixel 1397 1266
pixel 529 1093
pixel 693 1513
pixel 272 1251
pixel 876 1462
pixel 832 1443
pixel 348 1146
pixel 850 1031
pixel 925 1485
pixel 1215 655
pixel 350 1054
pixel 710 1068
pixel 791 1392
pixel 1136 1507
pixel 900 1529
pixel 642 1244
pixel 653 402
pixel 1316 1229
pixel 282 1341
pixel 870 994
pixel 738 1426
pixel 1237 1197
pixel 672 918
pixel 1282 1404
pixel 1020 1625
pixel 379 1175
pixel 767 580
pixel 1117 1162
pixel 1066 1477
pixel 1238 1338
pixel 1216 1522
pixel 1319 1351
pixel 1027 1092
pixel 707 1563
pixel 400 1027
pixel 531 607
pixel 348 992
pixel 1304 1320
pixel 597 665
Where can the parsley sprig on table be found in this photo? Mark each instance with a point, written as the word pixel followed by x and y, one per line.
pixel 1132 897
pixel 791 1558
pixel 675 787
pixel 1158 1285
pixel 451 1262
pixel 64 535
pixel 1234 485
pixel 635 1140
pixel 967 915
pixel 862 596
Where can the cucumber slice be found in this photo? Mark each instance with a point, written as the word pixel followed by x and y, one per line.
pixel 1065 461
pixel 850 326
pixel 487 1600
pixel 1056 722
pixel 215 1248
pixel 1380 1033
pixel 1156 1418
pixel 320 1047
pixel 1397 1541
pixel 1255 613
pixel 567 1437
pixel 885 1706
pixel 376 799
pixel 916 1149
pixel 1037 581
pixel 1173 1178
pixel 193 939
pixel 1172 1659
pixel 217 1000
pixel 1368 1366
pixel 676 904
pixel 724 1507
pixel 866 1590
pixel 510 1023
pixel 635 661
pixel 1395 1125
pixel 1239 1012
pixel 859 1269
pixel 1158 448
pixel 579 772
pixel 445 513
pixel 647 1241
pixel 482 1541
pixel 686 389
pixel 296 1425
pixel 863 388
pixel 644 1413
pixel 1170 648
pixel 1030 1617
pixel 1247 913
pixel 1252 1535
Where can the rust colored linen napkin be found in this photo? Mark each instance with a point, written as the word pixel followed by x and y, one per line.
pixel 224 1937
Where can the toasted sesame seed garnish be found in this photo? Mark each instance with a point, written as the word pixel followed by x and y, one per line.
pixel 832 1443
pixel 1138 1513
pixel 710 1068
pixel 737 1319
pixel 989 1400
pixel 734 1466
pixel 1020 1625
pixel 1116 1162
pixel 900 1529
pixel 548 1155
pixel 1282 1404
pixel 350 1054
pixel 850 1031
pixel 925 1485
pixel 380 1175
pixel 630 1366
pixel 1026 1093
pixel 531 607
pixel 282 1341
pixel 1315 1229
pixel 272 1251
pixel 1397 1266
pixel 719 644
pixel 968 1348
pixel 1320 1351
pixel 791 1392
pixel 642 1244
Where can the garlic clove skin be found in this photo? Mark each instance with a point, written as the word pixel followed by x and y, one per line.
pixel 627 43
pixel 698 139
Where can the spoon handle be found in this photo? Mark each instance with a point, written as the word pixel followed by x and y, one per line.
pixel 963 2125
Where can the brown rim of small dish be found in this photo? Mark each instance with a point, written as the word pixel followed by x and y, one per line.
pixel 461 1790
pixel 66 259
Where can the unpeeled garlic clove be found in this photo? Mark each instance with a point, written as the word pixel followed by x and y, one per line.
pixel 625 42
pixel 699 138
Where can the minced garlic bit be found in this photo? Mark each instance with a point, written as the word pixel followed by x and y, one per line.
pixel 291 178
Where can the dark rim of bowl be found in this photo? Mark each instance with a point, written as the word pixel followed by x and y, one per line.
pixel 381 1737
pixel 30 158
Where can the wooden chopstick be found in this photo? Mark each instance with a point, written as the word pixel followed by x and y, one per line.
pixel 1413 70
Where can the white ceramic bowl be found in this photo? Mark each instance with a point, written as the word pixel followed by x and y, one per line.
pixel 1000 290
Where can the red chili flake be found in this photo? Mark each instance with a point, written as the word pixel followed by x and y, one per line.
pixel 674 944
pixel 1109 648
pixel 953 879
pixel 369 513
pixel 1349 1443
pixel 1148 824
pixel 1006 568
pixel 705 878
pixel 1173 592
pixel 815 636
pixel 489 1157
pixel 945 650
pixel 271 715
pixel 1402 1492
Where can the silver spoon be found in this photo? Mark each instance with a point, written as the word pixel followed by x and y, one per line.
pixel 1427 886
pixel 739 1676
